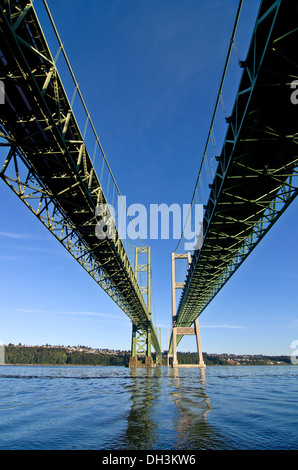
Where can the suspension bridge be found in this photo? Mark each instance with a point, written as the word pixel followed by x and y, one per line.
pixel 55 164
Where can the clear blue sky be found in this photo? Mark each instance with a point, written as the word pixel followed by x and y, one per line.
pixel 149 73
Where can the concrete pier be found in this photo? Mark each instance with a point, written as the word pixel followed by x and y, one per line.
pixel 134 362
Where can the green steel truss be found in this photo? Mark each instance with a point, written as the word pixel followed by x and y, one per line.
pixel 141 333
pixel 46 162
pixel 257 173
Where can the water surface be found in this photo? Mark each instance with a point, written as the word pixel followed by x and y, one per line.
pixel 113 408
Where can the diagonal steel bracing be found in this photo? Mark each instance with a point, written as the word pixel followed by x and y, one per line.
pixel 257 172
pixel 47 163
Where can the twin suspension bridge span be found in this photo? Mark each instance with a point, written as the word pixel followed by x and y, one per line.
pixel 58 168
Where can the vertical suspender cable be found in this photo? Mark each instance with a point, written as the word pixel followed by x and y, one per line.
pixel 216 106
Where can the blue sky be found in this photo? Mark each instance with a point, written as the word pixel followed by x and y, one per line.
pixel 149 73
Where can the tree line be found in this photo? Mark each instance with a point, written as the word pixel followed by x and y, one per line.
pixel 61 356
pixel 57 355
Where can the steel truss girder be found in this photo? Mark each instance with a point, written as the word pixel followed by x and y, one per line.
pixel 48 166
pixel 257 173
pixel 42 203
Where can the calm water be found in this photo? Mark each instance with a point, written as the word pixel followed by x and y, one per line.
pixel 111 408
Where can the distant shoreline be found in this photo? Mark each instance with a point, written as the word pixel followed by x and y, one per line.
pixel 22 355
pixel 125 366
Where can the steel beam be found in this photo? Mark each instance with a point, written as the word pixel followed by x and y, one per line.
pixel 257 173
pixel 49 166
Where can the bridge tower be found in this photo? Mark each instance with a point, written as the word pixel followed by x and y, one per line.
pixel 182 330
pixel 141 332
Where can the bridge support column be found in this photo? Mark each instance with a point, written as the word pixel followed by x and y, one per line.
pixel 183 330
pixel 199 345
pixel 188 331
pixel 140 346
pixel 175 360
pixel 141 334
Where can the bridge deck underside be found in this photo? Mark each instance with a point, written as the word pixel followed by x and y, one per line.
pixel 256 178
pixel 38 123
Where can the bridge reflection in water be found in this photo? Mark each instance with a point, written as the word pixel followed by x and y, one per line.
pixel 169 411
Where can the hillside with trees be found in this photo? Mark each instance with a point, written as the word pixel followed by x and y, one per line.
pixel 82 355
pixel 55 355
